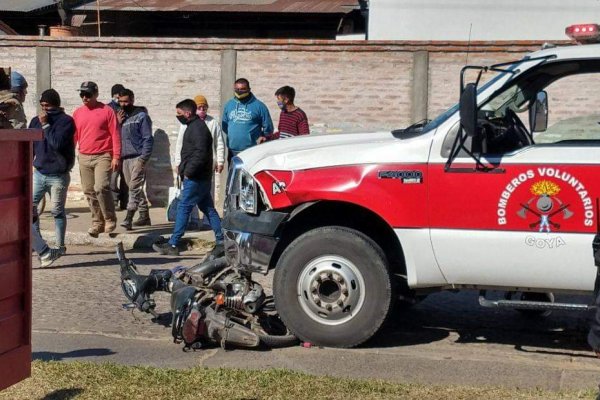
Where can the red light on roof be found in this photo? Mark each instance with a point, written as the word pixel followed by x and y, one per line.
pixel 584 33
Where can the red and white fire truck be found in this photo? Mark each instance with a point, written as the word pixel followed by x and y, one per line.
pixel 474 199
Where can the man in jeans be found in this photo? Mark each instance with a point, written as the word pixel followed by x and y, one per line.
pixel 46 254
pixel 54 159
pixel 136 148
pixel 218 154
pixel 196 169
pixel 99 140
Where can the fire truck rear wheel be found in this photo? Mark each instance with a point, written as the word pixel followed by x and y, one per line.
pixel 332 287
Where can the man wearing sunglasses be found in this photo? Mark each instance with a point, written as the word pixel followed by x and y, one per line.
pixel 99 142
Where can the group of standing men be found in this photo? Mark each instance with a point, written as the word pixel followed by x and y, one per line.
pixel 116 138
pixel 106 140
pixel 245 122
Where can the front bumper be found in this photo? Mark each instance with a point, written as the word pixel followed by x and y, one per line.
pixel 250 240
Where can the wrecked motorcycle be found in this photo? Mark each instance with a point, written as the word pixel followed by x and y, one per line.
pixel 211 303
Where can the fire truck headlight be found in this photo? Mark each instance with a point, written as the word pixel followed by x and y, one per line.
pixel 248 193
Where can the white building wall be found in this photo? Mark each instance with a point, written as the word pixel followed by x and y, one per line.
pixel 490 19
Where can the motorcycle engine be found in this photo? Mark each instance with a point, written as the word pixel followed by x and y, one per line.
pixel 241 293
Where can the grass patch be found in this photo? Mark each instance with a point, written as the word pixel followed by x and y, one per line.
pixel 59 380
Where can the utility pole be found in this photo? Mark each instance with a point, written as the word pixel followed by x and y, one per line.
pixel 98 13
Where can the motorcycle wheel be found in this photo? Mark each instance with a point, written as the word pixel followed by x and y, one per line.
pixel 273 333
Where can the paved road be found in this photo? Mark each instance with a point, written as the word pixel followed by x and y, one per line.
pixel 446 339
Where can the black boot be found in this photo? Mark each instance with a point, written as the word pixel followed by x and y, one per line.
pixel 128 220
pixel 143 220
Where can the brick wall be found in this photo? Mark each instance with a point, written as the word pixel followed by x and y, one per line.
pixel 339 91
pixel 343 86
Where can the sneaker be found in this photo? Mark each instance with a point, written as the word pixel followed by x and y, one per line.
pixel 94 231
pixel 217 251
pixel 49 257
pixel 165 249
pixel 63 250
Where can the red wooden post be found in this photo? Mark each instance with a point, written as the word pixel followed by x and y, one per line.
pixel 15 254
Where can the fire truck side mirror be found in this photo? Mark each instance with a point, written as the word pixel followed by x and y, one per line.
pixel 538 113
pixel 468 109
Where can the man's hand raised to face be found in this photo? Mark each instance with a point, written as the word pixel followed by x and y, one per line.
pixel 120 116
pixel 43 116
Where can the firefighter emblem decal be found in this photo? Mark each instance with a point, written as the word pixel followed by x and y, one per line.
pixel 544 206
pixel 545 200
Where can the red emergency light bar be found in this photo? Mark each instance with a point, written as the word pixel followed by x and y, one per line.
pixel 584 33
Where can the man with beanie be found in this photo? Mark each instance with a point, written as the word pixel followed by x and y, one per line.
pixel 118 187
pixel 218 153
pixel 54 157
pixel 99 140
pixel 136 148
pixel 12 113
pixel 246 120
pixel 196 169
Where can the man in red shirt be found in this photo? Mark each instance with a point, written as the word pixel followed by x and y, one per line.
pixel 292 120
pixel 99 140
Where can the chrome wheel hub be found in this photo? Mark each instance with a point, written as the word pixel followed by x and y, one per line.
pixel 331 290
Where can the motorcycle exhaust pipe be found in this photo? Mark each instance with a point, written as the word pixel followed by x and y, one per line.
pixel 202 270
pixel 221 329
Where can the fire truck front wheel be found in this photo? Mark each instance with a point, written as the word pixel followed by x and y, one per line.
pixel 332 287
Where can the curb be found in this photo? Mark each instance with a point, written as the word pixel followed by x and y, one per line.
pixel 193 240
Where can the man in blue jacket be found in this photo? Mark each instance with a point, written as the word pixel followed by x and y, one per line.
pixel 54 157
pixel 136 148
pixel 246 120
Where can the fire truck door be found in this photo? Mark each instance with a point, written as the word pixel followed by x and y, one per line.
pixel 528 223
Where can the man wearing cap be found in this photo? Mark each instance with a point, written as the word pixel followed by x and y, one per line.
pixel 99 140
pixel 218 152
pixel 12 114
pixel 54 157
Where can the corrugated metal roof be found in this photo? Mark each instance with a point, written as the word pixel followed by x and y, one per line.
pixel 286 6
pixel 24 5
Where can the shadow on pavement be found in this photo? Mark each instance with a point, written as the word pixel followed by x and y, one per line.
pixel 63 394
pixel 444 314
pixel 53 356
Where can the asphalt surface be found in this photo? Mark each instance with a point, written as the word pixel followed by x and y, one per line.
pixel 445 339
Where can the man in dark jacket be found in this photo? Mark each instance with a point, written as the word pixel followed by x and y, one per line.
pixel 196 170
pixel 54 157
pixel 136 148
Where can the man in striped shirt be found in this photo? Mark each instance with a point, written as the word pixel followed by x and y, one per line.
pixel 292 120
